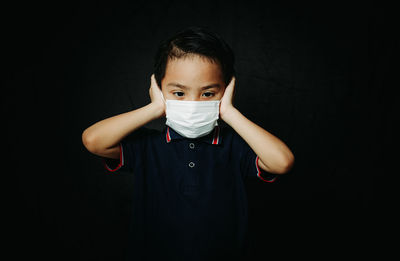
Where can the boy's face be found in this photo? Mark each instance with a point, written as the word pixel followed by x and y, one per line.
pixel 192 78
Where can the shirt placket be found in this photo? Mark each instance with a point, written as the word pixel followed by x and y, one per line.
pixel 191 178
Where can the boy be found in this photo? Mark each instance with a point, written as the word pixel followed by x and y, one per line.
pixel 189 196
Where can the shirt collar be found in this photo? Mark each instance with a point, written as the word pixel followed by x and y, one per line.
pixel 214 137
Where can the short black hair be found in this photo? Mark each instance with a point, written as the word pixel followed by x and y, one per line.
pixel 195 40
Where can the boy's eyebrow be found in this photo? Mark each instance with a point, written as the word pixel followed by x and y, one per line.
pixel 214 85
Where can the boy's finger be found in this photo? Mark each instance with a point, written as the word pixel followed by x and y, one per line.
pixel 231 85
pixel 232 82
pixel 153 81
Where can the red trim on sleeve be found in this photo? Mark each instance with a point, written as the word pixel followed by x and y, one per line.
pixel 121 161
pixel 259 173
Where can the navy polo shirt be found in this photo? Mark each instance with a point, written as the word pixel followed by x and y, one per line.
pixel 189 198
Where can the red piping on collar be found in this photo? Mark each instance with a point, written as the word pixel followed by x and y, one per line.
pixel 216 135
pixel 168 136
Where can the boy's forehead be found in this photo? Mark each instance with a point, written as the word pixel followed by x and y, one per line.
pixel 193 71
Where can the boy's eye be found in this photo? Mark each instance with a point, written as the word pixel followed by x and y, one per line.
pixel 208 94
pixel 179 94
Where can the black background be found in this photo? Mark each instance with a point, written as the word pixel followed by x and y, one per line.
pixel 313 74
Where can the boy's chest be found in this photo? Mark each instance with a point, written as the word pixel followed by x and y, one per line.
pixel 191 168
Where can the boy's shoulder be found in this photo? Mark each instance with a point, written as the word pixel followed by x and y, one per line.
pixel 229 134
pixel 226 130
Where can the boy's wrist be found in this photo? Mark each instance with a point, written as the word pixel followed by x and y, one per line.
pixel 229 115
pixel 157 110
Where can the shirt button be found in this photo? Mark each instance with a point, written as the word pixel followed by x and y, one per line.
pixel 191 164
pixel 191 145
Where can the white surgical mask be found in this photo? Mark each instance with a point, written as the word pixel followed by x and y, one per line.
pixel 192 119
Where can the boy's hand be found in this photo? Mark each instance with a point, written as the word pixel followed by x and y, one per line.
pixel 156 97
pixel 226 105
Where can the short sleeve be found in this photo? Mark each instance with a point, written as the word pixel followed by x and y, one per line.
pixel 121 164
pixel 130 151
pixel 249 163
